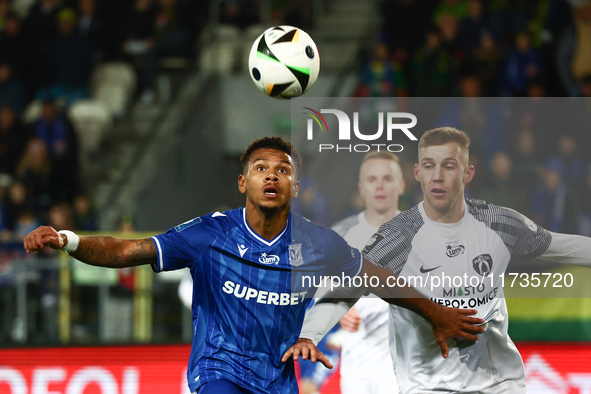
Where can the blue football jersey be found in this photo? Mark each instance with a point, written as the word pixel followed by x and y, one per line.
pixel 250 294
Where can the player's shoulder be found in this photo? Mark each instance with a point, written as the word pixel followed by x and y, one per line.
pixel 210 223
pixel 343 226
pixel 492 214
pixel 306 229
pixel 406 223
pixel 398 232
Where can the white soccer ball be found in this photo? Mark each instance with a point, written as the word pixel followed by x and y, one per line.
pixel 284 62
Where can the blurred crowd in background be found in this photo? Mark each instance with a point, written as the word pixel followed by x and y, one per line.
pixel 527 157
pixel 48 51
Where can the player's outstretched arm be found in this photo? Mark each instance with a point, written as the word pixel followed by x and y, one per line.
pixel 99 250
pixel 445 322
pixel 306 348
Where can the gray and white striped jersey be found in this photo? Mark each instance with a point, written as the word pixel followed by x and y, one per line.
pixel 459 265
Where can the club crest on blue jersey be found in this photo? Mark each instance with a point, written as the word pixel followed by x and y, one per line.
pixel 295 255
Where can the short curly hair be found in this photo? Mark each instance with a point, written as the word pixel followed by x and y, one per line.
pixel 277 143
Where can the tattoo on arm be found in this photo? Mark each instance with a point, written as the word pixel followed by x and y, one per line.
pixel 113 252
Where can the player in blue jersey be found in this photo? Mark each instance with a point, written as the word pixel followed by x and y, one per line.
pixel 247 264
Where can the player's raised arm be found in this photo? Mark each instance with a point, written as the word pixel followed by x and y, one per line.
pixel 446 322
pixel 99 250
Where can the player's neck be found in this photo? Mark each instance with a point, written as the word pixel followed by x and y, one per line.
pixel 267 224
pixel 376 218
pixel 453 215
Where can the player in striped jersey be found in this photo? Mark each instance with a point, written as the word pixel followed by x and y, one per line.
pixel 366 364
pixel 248 264
pixel 448 235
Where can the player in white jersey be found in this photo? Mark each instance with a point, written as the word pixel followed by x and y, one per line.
pixel 366 363
pixel 448 235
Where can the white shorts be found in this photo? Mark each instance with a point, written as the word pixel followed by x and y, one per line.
pixel 359 384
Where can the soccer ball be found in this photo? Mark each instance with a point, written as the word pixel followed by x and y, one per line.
pixel 284 62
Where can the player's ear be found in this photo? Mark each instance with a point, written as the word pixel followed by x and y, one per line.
pixel 242 183
pixel 470 171
pixel 295 189
pixel 416 172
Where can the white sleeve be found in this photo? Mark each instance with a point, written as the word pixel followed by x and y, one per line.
pixel 569 249
pixel 325 314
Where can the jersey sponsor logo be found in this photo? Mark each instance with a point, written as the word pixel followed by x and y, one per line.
pixel 373 241
pixel 217 214
pixel 269 259
pixel 453 251
pixel 262 296
pixel 295 255
pixel 241 249
pixel 465 303
pixel 425 270
pixel 483 264
pixel 187 224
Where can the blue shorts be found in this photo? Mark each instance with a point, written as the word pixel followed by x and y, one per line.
pixel 221 386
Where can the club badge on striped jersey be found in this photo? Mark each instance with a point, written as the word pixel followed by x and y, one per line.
pixel 295 255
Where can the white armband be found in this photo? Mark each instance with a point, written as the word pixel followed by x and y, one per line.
pixel 73 241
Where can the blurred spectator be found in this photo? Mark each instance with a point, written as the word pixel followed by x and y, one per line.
pixel 245 13
pixel 472 27
pixel 71 62
pixel 455 8
pixel 522 64
pixel 94 29
pixel 483 119
pixel 568 161
pixel 381 76
pixel 535 88
pixel 12 140
pixel 585 86
pixel 295 13
pixel 581 60
pixel 171 33
pixel 25 223
pixel 34 172
pixel 501 187
pixel 85 218
pixel 554 206
pixel 156 32
pixel 405 23
pixel 55 130
pixel 485 62
pixel 22 53
pixel 41 22
pixel 435 69
pixel 4 11
pixel 140 39
pixel 584 222
pixel 61 216
pixel 12 92
pixel 528 167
